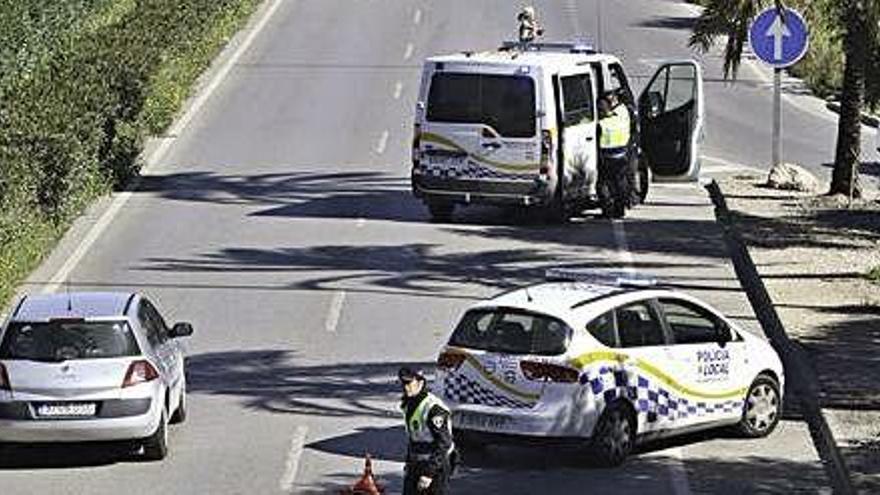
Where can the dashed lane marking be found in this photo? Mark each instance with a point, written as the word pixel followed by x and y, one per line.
pixel 335 311
pixel 292 463
pixel 383 142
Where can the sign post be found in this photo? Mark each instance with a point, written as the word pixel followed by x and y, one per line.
pixel 779 37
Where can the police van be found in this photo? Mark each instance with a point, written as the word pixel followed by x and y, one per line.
pixel 518 126
pixel 603 360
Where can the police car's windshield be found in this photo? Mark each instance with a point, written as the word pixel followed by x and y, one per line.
pixel 507 103
pixel 512 331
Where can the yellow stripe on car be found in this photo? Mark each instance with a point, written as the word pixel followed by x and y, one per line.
pixel 583 360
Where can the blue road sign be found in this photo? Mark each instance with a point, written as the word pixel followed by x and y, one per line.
pixel 777 40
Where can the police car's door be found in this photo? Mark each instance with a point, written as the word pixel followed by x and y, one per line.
pixel 576 91
pixel 671 120
pixel 706 363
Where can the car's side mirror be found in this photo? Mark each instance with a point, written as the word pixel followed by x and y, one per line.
pixel 181 329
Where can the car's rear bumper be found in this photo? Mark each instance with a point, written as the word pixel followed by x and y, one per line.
pixel 547 422
pixel 134 424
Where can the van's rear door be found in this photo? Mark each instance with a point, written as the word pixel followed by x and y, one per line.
pixel 578 129
pixel 480 122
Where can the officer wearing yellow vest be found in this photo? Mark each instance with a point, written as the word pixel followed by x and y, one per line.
pixel 615 153
pixel 430 452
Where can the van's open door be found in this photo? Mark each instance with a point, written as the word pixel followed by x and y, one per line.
pixel 671 120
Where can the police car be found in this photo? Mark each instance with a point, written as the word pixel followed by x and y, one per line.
pixel 606 360
pixel 519 126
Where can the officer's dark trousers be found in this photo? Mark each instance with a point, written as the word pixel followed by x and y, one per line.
pixel 614 183
pixel 439 485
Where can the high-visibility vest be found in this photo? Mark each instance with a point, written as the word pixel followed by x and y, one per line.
pixel 416 425
pixel 615 129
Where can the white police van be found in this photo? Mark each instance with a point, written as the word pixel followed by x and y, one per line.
pixel 518 126
pixel 603 360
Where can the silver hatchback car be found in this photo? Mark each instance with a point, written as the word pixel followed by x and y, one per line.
pixel 79 367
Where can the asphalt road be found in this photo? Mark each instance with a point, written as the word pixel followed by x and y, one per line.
pixel 281 225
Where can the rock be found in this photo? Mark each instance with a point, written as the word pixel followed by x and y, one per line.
pixel 790 177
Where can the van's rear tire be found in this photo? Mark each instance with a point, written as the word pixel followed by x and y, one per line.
pixel 440 211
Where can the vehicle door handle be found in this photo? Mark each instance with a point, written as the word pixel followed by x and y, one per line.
pixel 492 145
pixel 589 138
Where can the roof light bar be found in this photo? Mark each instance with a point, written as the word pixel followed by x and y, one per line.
pixel 618 278
pixel 564 47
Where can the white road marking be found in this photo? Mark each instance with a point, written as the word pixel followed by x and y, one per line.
pixel 417 17
pixel 293 455
pixel 383 142
pixel 157 154
pixel 409 51
pixel 335 311
pixel 677 474
pixel 398 90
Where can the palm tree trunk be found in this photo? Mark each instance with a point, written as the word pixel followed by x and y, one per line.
pixel 845 178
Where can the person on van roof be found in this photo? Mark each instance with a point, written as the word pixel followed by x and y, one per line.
pixel 615 143
pixel 529 29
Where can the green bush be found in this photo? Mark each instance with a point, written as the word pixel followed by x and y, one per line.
pixel 83 83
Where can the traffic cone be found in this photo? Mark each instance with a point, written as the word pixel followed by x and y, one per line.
pixel 366 485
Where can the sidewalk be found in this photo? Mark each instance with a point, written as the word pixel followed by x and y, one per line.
pixel 813 253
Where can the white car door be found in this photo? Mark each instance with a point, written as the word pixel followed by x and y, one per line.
pixel 671 121
pixel 644 343
pixel 705 361
pixel 578 130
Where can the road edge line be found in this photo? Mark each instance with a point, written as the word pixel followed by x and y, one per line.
pixel 795 361
pixel 152 157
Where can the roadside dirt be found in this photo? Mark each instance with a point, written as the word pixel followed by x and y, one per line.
pixel 813 253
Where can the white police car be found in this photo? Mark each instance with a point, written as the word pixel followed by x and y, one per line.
pixel 612 360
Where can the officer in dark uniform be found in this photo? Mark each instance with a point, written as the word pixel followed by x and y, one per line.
pixel 430 452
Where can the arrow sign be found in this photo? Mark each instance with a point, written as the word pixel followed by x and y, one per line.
pixel 778 31
pixel 779 40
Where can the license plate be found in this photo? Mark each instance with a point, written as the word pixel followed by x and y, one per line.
pixel 72 410
pixel 481 421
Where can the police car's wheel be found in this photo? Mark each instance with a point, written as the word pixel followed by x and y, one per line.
pixel 615 435
pixel 441 212
pixel 762 408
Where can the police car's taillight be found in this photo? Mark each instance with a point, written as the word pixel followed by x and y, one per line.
pixel 546 150
pixel 416 143
pixel 139 372
pixel 450 360
pixel 546 371
pixel 4 379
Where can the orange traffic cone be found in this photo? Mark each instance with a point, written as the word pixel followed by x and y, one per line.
pixel 366 485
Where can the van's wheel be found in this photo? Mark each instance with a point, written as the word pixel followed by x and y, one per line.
pixel 643 183
pixel 156 445
pixel 614 435
pixel 440 211
pixel 762 408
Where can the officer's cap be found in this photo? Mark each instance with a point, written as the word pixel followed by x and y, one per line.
pixel 408 375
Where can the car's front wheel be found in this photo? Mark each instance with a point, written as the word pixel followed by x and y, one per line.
pixel 156 445
pixel 614 435
pixel 762 408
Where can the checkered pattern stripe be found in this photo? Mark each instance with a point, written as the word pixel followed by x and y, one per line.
pixel 648 396
pixel 468 170
pixel 462 389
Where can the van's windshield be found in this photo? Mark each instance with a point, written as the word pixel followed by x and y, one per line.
pixel 512 331
pixel 506 103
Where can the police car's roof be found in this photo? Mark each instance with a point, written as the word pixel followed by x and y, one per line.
pixel 517 58
pixel 43 307
pixel 552 297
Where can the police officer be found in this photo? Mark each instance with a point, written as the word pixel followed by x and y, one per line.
pixel 614 184
pixel 430 450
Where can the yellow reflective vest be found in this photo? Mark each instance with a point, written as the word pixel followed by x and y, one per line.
pixel 615 129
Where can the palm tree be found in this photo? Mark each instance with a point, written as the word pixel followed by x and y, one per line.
pixel 856 19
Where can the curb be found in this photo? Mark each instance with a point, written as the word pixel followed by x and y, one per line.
pixel 802 378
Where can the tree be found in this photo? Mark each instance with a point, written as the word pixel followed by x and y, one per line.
pixel 855 19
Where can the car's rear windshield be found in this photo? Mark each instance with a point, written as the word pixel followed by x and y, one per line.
pixel 506 103
pixel 64 340
pixel 511 331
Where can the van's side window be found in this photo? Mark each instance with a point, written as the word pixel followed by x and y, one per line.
pixel 577 94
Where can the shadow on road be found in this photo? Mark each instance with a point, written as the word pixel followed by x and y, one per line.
pixel 59 456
